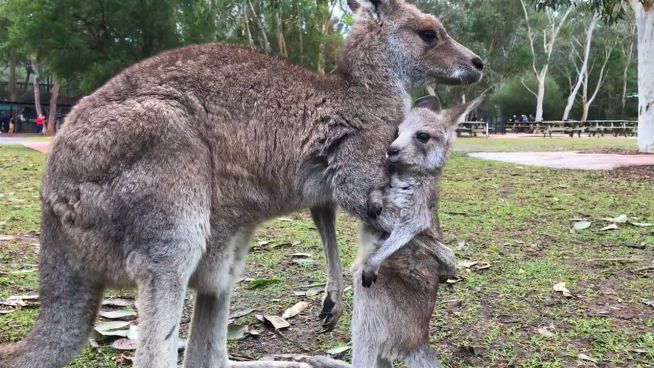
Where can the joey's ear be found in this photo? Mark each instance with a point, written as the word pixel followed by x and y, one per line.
pixel 455 113
pixel 430 102
pixel 374 7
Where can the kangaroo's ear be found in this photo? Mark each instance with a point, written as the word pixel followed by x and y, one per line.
pixel 455 113
pixel 430 102
pixel 374 7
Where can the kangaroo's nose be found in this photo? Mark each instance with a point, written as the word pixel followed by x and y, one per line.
pixel 478 63
pixel 393 151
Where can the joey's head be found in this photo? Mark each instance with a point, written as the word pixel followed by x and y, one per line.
pixel 413 47
pixel 426 135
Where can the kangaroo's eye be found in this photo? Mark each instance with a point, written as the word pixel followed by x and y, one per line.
pixel 423 137
pixel 428 36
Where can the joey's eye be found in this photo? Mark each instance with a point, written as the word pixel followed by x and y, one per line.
pixel 423 137
pixel 428 36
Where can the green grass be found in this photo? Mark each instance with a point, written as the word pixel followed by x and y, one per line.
pixel 518 219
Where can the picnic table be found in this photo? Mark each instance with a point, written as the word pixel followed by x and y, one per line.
pixel 518 127
pixel 592 127
pixel 626 128
pixel 472 128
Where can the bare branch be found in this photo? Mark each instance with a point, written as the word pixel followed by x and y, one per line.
pixel 522 80
pixel 530 35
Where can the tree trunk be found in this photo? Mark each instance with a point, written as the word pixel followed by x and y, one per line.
pixel 279 35
pixel 645 25
pixel 262 30
pixel 625 73
pixel 540 96
pixel 36 85
pixel 52 116
pixel 324 28
pixel 13 89
pixel 584 67
pixel 246 22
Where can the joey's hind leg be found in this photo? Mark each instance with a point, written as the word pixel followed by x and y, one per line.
pixel 332 305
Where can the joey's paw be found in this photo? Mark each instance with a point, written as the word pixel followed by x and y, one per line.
pixel 447 269
pixel 368 277
pixel 375 208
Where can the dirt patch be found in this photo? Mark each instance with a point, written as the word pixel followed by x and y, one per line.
pixel 638 173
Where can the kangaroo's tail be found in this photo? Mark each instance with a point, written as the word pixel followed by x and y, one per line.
pixel 69 303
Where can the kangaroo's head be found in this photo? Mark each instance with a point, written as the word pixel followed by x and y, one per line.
pixel 426 135
pixel 394 37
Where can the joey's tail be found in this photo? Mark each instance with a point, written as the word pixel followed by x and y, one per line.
pixel 69 304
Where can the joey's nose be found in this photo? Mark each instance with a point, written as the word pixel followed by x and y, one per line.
pixel 393 152
pixel 478 63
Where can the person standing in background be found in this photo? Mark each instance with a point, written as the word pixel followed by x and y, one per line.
pixel 40 122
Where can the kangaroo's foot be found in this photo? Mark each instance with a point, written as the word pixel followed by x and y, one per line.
pixel 314 361
pixel 332 309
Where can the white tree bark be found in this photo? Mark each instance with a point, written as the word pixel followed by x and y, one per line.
pixel 586 101
pixel 36 85
pixel 584 67
pixel 550 36
pixel 644 11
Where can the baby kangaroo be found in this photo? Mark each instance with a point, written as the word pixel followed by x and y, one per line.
pixel 391 318
pixel 415 161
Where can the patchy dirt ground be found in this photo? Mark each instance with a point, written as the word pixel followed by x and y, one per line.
pixel 517 219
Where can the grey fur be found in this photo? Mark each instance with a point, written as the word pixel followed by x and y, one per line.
pixel 159 178
pixel 391 317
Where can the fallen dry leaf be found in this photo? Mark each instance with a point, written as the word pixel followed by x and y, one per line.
pixel 642 224
pixel 118 314
pixel 610 227
pixel 241 313
pixel 622 219
pixel 560 287
pixel 582 225
pixel 586 358
pixel 124 344
pixel 278 323
pixel 543 331
pixel 117 302
pixel 295 310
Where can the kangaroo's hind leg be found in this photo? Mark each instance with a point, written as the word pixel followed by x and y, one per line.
pixel 332 304
pixel 213 280
pixel 69 301
pixel 424 357
pixel 162 277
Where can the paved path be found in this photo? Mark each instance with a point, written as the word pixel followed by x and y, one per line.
pixel 41 146
pixel 568 160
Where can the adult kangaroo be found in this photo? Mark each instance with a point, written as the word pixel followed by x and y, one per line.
pixel 160 177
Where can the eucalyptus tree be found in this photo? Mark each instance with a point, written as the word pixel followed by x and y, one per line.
pixel 643 11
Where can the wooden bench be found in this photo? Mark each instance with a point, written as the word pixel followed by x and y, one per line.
pixel 472 128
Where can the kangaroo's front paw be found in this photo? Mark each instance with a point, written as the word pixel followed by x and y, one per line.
pixel 368 276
